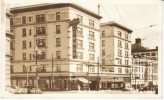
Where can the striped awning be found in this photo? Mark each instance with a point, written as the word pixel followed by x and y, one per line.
pixel 84 80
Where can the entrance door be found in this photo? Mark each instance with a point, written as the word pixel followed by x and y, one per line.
pixel 93 85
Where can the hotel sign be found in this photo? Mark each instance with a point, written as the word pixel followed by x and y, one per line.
pixel 74 24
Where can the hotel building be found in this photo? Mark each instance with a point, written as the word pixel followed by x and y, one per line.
pixel 115 45
pixel 54 45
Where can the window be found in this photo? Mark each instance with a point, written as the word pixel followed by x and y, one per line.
pixel 91 57
pixel 29 19
pixel 24 44
pixel 43 55
pixel 91 68
pixel 11 68
pixel 147 54
pixel 153 54
pixel 79 31
pixel 119 70
pixel 103 61
pixel 11 21
pixel 12 57
pixel 18 20
pixel 91 46
pixel 80 44
pixel 126 54
pixel 80 18
pixel 30 56
pixel 138 69
pixel 24 56
pixel 126 62
pixel 58 54
pixel 41 42
pixel 42 68
pixel 40 18
pixel 51 16
pixel 103 33
pixel 126 71
pixel 103 52
pixel 103 42
pixel 126 36
pixel 40 31
pixel 11 45
pixel 91 23
pixel 126 45
pixel 79 67
pixel 57 29
pixel 24 32
pixel 30 45
pixel 24 20
pixel 24 68
pixel 119 52
pixel 119 43
pixel 58 68
pixel 135 69
pixel 91 35
pixel 119 34
pixel 58 42
pixel 58 16
pixel 80 55
pixel 119 61
pixel 29 32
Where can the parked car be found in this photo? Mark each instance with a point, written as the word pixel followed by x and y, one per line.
pixel 128 88
pixel 143 88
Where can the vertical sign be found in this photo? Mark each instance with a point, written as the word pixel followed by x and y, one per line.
pixel 74 24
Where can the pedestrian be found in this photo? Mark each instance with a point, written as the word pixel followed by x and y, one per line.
pixel 78 87
pixel 156 90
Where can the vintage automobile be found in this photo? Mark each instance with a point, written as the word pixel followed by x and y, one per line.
pixel 128 88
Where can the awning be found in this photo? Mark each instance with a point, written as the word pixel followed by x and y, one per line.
pixel 84 80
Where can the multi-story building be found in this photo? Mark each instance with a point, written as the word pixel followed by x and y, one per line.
pixel 137 48
pixel 115 44
pixel 64 32
pixel 145 64
pixel 9 36
pixel 143 71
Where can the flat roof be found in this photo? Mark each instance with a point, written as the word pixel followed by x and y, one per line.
pixel 113 23
pixel 45 6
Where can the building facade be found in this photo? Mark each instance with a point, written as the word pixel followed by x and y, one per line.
pixel 144 70
pixel 115 44
pixel 145 64
pixel 55 44
pixel 9 36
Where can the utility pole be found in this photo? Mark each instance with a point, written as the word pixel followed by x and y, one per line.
pixel 52 73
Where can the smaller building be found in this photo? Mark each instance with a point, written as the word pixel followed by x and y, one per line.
pixel 144 65
pixel 143 71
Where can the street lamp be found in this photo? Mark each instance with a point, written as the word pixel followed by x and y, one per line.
pixel 37 53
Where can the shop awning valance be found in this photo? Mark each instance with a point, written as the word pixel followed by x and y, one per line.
pixel 84 80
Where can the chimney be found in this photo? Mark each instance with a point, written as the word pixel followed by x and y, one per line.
pixel 138 41
pixel 156 47
pixel 99 9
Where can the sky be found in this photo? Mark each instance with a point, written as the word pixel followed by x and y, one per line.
pixel 138 15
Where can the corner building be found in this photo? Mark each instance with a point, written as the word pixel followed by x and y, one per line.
pixel 115 44
pixel 47 27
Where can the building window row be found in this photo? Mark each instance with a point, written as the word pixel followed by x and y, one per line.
pixel 24 32
pixel 31 56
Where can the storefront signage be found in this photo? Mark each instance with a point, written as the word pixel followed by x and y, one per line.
pixel 74 24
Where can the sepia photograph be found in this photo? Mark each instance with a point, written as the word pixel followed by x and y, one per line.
pixel 81 49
